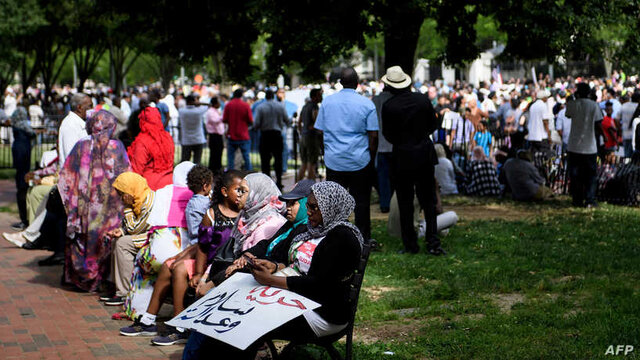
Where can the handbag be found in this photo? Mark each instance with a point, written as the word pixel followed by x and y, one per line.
pixel 221 261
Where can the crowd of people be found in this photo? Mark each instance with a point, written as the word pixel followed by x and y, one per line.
pixel 125 223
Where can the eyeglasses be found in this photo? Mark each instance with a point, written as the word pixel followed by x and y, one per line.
pixel 312 207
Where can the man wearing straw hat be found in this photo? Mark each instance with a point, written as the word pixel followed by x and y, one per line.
pixel 408 120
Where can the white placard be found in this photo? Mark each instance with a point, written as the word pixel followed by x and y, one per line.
pixel 240 311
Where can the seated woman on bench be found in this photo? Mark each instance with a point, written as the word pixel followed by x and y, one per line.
pixel 325 257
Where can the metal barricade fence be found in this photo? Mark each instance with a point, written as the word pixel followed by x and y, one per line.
pixel 45 140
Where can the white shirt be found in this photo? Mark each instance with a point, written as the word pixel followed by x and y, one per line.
pixel 10 105
pixel 126 109
pixel 36 115
pixel 72 129
pixel 537 113
pixel 584 113
pixel 625 114
pixel 563 123
pixel 634 124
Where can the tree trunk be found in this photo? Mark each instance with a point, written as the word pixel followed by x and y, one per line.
pixel 401 39
pixel 119 55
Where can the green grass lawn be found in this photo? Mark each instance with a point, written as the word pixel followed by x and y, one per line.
pixel 563 284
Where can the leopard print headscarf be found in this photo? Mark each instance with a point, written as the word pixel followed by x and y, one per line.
pixel 336 204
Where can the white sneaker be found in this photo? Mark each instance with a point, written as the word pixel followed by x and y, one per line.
pixel 16 239
pixel 422 229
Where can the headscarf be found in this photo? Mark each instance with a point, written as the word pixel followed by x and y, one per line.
pixel 101 126
pixel 180 173
pixel 301 219
pixel 335 205
pixel 155 138
pixel 262 204
pixel 85 181
pixel 134 185
pixel 20 120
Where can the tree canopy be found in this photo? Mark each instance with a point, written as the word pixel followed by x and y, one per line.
pixel 260 39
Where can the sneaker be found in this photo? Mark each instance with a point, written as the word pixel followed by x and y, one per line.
pixel 106 296
pixel 114 301
pixel 16 238
pixel 138 328
pixel 19 226
pixel 173 338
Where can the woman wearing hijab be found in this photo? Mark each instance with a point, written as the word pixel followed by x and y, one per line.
pixel 325 256
pixel 93 206
pixel 276 248
pixel 151 153
pixel 262 214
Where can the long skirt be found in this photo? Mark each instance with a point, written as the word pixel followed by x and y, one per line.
pixel 87 261
pixel 163 244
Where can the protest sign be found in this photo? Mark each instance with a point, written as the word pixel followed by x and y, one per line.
pixel 240 311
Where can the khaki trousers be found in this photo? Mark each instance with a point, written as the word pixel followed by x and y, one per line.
pixel 122 261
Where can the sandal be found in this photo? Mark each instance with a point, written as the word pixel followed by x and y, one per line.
pixel 120 316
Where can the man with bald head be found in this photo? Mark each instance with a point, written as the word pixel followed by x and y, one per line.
pixel 73 127
pixel 349 125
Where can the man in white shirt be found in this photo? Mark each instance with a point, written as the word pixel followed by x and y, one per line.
pixel 538 125
pixel 624 116
pixel 73 128
pixel 586 121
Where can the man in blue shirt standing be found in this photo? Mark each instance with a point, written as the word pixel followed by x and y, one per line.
pixel 349 124
pixel 192 130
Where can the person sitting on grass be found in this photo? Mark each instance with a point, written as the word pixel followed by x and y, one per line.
pixel 524 180
pixel 325 256
pixel 483 178
pixel 215 229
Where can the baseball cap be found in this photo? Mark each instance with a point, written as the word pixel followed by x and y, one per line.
pixel 300 190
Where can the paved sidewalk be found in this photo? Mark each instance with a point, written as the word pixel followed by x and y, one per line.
pixel 40 320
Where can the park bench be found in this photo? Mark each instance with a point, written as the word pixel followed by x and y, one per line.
pixel 327 342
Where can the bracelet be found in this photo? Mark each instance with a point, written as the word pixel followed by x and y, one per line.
pixel 276 269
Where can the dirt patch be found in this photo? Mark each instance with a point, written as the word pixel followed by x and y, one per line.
pixel 390 331
pixel 468 317
pixel 490 212
pixel 375 292
pixel 566 279
pixel 506 301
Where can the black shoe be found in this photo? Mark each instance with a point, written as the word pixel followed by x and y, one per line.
pixel 437 251
pixel 55 259
pixel 33 245
pixel 19 226
pixel 384 210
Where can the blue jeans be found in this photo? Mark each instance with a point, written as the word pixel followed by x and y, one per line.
pixel 384 181
pixel 245 148
pixel 628 148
